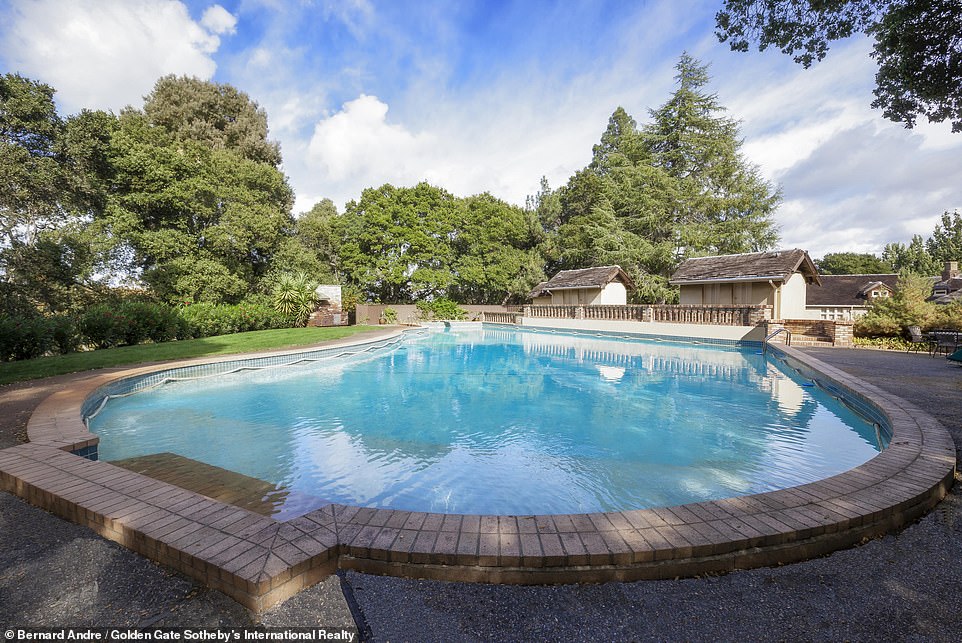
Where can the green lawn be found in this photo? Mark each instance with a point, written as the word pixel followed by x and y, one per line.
pixel 259 340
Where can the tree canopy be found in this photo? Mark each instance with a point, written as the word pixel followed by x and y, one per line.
pixel 400 245
pixel 927 256
pixel 918 46
pixel 852 263
pixel 202 211
pixel 53 180
pixel 675 187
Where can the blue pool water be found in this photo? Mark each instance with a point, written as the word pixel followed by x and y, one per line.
pixel 500 421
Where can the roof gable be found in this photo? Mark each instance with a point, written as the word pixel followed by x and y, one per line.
pixel 849 290
pixel 777 265
pixel 585 278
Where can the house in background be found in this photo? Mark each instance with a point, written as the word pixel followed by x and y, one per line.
pixel 949 289
pixel 847 297
pixel 584 287
pixel 779 279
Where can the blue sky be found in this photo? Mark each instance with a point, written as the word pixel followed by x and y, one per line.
pixel 491 96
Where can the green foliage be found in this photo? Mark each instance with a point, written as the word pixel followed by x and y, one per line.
pixel 441 309
pixel 916 47
pixel 948 316
pixel 201 207
pixel 103 326
pixel 945 244
pixel 927 257
pixel 295 297
pixel 129 323
pixel 351 296
pixel 652 196
pixel 852 263
pixel 894 343
pixel 52 181
pixel 215 114
pixel 889 316
pixel 25 337
pixel 29 336
pixel 206 319
pixel 388 316
pixel 912 258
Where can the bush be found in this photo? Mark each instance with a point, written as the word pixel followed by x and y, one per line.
pixel 885 343
pixel 890 316
pixel 26 337
pixel 388 316
pixel 205 319
pixel 442 308
pixel 103 326
pixel 66 336
pixel 130 322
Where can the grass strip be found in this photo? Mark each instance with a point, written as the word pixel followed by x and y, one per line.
pixel 258 340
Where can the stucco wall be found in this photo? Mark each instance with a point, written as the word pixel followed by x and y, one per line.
pixel 614 293
pixel 793 294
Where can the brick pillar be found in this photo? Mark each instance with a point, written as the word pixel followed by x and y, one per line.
pixel 842 334
pixel 760 314
pixel 771 325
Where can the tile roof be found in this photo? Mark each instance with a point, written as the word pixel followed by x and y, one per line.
pixel 847 290
pixel 776 265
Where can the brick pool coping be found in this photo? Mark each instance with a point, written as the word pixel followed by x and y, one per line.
pixel 260 561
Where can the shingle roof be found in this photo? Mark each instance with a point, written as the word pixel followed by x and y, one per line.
pixel 953 288
pixel 537 290
pixel 776 265
pixel 584 278
pixel 847 290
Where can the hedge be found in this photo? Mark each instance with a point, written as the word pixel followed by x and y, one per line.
pixel 129 323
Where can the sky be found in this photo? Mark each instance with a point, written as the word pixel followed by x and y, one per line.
pixel 490 96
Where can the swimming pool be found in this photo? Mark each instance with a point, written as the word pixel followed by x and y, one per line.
pixel 502 421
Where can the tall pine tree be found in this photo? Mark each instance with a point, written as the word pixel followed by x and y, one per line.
pixel 721 203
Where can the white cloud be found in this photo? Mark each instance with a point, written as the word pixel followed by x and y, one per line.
pixel 867 186
pixel 108 53
pixel 218 20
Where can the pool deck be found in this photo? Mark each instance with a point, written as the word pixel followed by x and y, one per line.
pixel 260 562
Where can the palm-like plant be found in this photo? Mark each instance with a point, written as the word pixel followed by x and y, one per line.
pixel 295 296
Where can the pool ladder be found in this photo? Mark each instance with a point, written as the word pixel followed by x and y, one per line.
pixel 788 340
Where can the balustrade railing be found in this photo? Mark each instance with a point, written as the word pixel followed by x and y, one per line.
pixel 714 314
pixel 501 318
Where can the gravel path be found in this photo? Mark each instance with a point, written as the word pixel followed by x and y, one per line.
pixel 906 586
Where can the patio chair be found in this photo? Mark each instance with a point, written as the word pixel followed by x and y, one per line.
pixel 946 341
pixel 918 341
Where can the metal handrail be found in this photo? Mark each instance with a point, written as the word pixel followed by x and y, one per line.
pixel 775 332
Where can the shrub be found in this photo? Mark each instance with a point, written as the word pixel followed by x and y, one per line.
pixel 103 326
pixel 66 336
pixel 889 316
pixel 206 319
pixel 442 308
pixel 389 316
pixel 886 343
pixel 26 337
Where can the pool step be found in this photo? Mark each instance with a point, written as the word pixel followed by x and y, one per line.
pixel 811 340
pixel 229 487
